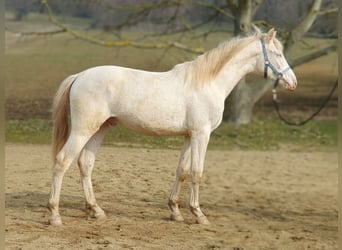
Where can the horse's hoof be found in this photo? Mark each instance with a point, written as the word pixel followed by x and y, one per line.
pixel 203 220
pixel 177 217
pixel 97 216
pixel 95 212
pixel 55 221
pixel 100 216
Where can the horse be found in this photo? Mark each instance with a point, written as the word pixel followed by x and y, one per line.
pixel 187 101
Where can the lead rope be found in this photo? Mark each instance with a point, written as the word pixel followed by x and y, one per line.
pixel 276 105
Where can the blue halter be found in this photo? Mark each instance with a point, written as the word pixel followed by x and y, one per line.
pixel 268 64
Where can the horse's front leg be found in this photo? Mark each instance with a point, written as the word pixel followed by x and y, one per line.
pixel 199 143
pixel 181 175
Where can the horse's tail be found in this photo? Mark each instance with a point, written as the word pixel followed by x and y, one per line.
pixel 60 115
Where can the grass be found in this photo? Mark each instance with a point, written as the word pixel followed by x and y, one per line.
pixel 264 133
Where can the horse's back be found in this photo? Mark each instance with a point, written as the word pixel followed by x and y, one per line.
pixel 147 102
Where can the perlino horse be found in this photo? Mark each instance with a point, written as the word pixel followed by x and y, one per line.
pixel 186 101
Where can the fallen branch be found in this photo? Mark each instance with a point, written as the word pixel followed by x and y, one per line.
pixel 35 33
pixel 314 55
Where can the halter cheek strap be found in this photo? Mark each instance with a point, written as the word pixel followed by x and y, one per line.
pixel 268 64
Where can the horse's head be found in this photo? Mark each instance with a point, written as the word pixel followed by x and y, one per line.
pixel 272 61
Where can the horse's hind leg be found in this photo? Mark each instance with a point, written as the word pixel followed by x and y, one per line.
pixel 63 160
pixel 86 165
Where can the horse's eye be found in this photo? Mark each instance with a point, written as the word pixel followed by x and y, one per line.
pixel 276 53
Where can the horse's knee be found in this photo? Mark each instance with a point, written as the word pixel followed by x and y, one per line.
pixel 183 175
pixel 85 163
pixel 52 204
pixel 196 177
pixel 60 165
pixel 60 158
pixel 82 160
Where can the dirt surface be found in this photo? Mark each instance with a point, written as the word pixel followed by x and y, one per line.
pixel 254 200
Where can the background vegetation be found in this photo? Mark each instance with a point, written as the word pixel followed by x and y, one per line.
pixel 35 65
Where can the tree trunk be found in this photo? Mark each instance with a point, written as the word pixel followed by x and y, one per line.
pixel 244 97
pixel 299 30
pixel 243 17
pixel 248 92
pixel 241 105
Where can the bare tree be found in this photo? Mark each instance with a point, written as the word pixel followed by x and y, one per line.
pixel 247 93
pixel 189 17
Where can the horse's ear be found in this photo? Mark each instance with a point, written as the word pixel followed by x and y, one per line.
pixel 257 30
pixel 271 34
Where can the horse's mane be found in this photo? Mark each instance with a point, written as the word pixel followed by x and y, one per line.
pixel 207 66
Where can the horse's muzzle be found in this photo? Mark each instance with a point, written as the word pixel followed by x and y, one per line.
pixel 291 86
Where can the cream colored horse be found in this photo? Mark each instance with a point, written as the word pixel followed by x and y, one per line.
pixel 186 101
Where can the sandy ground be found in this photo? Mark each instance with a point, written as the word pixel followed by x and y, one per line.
pixel 254 200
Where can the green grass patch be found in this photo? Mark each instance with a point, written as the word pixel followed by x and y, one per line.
pixel 267 133
pixel 264 133
pixel 29 131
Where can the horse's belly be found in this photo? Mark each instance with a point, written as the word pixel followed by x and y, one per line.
pixel 153 125
pixel 153 110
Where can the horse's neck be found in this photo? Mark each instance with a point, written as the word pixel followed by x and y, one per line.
pixel 242 64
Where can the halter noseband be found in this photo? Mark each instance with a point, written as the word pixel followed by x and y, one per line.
pixel 268 64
